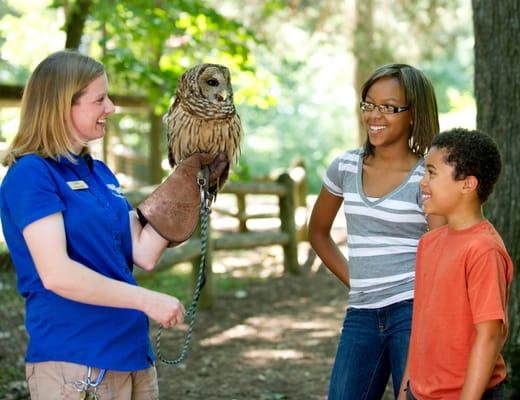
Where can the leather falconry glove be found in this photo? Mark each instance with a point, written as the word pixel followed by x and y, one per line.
pixel 173 207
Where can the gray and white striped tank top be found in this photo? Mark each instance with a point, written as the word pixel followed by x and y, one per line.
pixel 382 233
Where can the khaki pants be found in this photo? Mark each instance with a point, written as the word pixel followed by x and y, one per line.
pixel 55 381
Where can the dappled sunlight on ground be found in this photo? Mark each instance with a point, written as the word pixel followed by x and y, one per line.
pixel 237 332
pixel 269 336
pixel 263 356
pixel 277 342
pixel 262 263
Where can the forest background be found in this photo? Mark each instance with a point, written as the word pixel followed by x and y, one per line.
pixel 296 67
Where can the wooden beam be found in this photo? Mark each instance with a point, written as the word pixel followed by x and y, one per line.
pixel 182 253
pixel 242 216
pixel 244 188
pixel 135 196
pixel 249 240
pixel 11 95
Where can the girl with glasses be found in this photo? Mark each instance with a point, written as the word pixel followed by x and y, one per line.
pixel 378 188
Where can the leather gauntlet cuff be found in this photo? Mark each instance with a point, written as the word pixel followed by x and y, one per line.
pixel 173 208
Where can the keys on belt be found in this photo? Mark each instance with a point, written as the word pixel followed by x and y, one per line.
pixel 88 388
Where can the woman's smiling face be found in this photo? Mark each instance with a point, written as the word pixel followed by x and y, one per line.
pixel 89 112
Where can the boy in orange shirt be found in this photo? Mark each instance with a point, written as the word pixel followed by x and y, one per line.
pixel 463 278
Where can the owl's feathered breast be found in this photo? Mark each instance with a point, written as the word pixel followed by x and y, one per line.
pixel 198 125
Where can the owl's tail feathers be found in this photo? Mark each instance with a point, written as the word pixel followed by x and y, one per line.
pixel 220 179
pixel 173 207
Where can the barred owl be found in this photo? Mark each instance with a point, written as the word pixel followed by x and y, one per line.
pixel 203 117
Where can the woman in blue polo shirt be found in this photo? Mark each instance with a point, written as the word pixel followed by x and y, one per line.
pixel 74 239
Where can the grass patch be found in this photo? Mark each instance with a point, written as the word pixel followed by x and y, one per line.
pixel 174 281
pixel 11 380
pixel 177 282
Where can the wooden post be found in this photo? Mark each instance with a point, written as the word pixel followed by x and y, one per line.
pixel 208 295
pixel 242 217
pixel 155 156
pixel 287 212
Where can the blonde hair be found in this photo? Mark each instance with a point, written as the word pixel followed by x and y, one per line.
pixel 45 116
pixel 420 97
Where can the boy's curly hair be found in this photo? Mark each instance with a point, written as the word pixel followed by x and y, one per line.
pixel 471 153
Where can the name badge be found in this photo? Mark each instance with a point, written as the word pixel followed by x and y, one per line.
pixel 77 185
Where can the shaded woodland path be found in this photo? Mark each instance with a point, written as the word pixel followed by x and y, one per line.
pixel 274 340
pixel 271 337
pixel 277 342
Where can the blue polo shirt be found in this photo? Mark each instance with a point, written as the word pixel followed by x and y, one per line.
pixel 97 229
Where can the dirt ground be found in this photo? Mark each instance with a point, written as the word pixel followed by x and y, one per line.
pixel 274 340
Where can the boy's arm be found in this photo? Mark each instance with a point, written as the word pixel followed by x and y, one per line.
pixel 483 356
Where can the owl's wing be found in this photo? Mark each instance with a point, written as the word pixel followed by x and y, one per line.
pixel 235 138
pixel 170 132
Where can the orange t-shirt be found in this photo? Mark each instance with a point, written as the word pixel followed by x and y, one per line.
pixel 462 278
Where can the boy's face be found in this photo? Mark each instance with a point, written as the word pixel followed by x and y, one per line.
pixel 441 193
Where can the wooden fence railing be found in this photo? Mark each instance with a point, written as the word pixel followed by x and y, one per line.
pixel 290 187
pixel 10 96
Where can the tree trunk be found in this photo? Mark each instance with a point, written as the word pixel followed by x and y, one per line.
pixel 76 15
pixel 368 52
pixel 497 92
pixel 155 155
pixel 364 52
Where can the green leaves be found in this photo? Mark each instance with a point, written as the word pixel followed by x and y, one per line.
pixel 146 45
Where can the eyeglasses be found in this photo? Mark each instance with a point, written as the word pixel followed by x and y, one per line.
pixel 383 108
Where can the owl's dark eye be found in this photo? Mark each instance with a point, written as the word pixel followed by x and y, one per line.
pixel 212 82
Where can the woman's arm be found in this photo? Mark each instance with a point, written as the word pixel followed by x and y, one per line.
pixel 173 207
pixel 483 358
pixel 147 244
pixel 320 224
pixel 46 241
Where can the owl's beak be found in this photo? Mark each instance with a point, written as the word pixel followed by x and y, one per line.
pixel 223 95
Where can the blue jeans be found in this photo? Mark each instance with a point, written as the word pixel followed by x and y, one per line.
pixel 373 345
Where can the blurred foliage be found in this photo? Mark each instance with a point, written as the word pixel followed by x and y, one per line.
pixel 13 338
pixel 292 62
pixel 8 72
pixel 433 35
pixel 30 31
pixel 147 45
